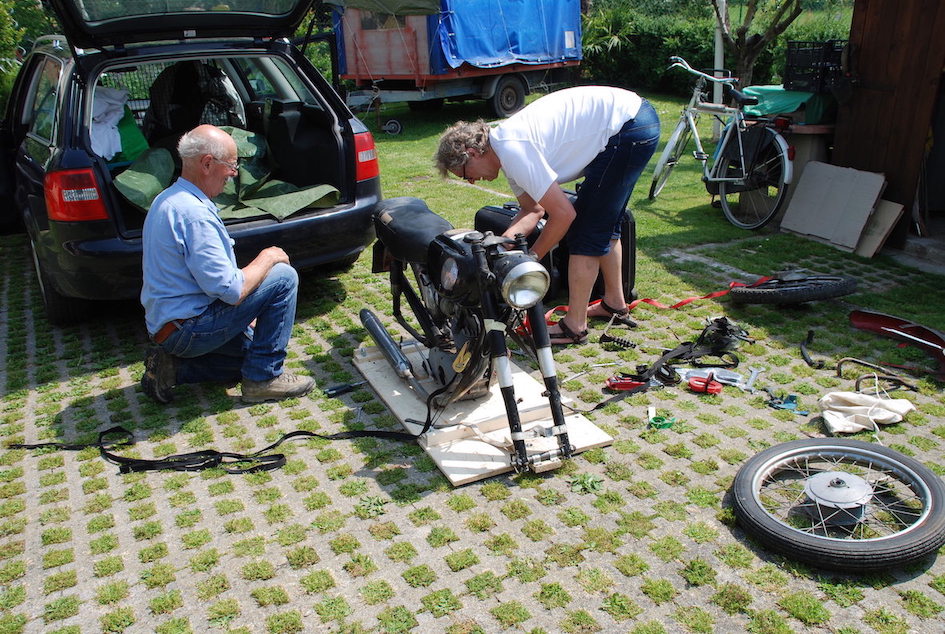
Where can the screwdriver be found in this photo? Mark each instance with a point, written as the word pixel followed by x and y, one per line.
pixel 344 388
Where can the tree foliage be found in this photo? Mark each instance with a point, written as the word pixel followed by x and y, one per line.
pixel 10 32
pixel 628 42
pixel 10 35
pixel 762 22
pixel 33 20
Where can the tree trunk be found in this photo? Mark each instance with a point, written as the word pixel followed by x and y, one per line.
pixel 745 47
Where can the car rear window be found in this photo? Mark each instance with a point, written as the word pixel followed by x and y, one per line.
pixel 99 10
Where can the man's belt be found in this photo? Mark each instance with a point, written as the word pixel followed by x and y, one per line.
pixel 166 331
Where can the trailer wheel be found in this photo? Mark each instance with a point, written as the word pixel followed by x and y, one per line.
pixel 509 96
pixel 393 126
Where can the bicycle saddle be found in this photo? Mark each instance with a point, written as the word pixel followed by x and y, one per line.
pixel 739 97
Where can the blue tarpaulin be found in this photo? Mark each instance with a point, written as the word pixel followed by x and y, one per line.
pixel 495 33
pixel 487 33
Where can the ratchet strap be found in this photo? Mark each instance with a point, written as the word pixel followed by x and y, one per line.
pixel 679 304
pixel 689 300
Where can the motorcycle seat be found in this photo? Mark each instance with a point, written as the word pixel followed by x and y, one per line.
pixel 407 226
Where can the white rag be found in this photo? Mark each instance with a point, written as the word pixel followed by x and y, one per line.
pixel 108 107
pixel 850 412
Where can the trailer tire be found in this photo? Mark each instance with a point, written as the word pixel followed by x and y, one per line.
pixel 509 96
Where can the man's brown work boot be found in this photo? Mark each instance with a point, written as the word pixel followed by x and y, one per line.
pixel 160 374
pixel 283 386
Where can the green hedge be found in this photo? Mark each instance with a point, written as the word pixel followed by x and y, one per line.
pixel 624 46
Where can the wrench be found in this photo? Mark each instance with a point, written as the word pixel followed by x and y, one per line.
pixel 749 384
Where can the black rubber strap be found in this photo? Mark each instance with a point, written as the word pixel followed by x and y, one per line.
pixel 102 443
pixel 260 460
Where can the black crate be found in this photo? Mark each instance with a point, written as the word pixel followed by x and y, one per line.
pixel 813 66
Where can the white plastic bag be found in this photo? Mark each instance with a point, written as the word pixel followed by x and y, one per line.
pixel 850 412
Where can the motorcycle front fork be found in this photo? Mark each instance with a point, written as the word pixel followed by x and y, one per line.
pixel 499 352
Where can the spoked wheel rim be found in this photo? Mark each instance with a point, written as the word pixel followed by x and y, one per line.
pixel 754 204
pixel 848 494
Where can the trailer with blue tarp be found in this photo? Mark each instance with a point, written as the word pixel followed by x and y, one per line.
pixel 426 51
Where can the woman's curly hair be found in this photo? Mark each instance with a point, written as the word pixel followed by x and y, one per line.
pixel 451 152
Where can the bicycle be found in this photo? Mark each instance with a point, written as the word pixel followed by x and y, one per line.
pixel 751 166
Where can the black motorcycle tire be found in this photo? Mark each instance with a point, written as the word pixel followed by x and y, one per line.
pixel 782 529
pixel 808 289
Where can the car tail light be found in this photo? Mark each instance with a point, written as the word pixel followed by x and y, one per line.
pixel 366 156
pixel 74 195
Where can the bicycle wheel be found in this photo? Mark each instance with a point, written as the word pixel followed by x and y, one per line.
pixel 753 203
pixel 841 504
pixel 670 156
pixel 796 291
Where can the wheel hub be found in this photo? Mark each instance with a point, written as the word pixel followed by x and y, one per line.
pixel 840 497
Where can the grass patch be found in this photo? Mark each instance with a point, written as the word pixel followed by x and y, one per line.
pixel 804 607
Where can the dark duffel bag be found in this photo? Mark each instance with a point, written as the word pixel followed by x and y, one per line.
pixel 497 219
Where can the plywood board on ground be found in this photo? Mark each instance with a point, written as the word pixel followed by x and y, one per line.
pixel 833 203
pixel 880 225
pixel 471 440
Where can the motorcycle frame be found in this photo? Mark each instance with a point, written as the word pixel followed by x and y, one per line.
pixel 484 249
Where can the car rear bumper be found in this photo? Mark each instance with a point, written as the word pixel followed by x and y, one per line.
pixel 81 264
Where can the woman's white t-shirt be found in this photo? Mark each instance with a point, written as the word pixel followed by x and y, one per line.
pixel 554 138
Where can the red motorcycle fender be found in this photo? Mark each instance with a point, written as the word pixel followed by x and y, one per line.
pixel 922 337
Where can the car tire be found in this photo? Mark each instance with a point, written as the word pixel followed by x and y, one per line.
pixel 60 310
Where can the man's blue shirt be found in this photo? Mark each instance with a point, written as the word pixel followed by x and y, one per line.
pixel 188 259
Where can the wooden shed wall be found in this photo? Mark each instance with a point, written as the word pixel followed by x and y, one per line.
pixel 897 57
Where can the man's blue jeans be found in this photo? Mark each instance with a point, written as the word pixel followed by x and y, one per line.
pixel 219 345
pixel 608 182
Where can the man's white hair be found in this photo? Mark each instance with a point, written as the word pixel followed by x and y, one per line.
pixel 201 141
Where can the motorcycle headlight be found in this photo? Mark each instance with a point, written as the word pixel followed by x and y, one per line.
pixel 523 280
pixel 453 269
pixel 449 274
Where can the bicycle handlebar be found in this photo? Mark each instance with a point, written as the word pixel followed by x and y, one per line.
pixel 679 62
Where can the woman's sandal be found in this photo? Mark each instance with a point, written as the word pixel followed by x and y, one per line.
pixel 566 333
pixel 620 316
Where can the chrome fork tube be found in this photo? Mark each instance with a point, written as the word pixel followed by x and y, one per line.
pixel 546 363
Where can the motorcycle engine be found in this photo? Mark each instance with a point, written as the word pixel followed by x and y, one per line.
pixel 462 362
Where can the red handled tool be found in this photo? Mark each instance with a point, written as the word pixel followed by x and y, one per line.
pixel 707 384
pixel 624 382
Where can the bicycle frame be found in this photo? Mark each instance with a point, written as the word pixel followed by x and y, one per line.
pixel 733 127
pixel 750 167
